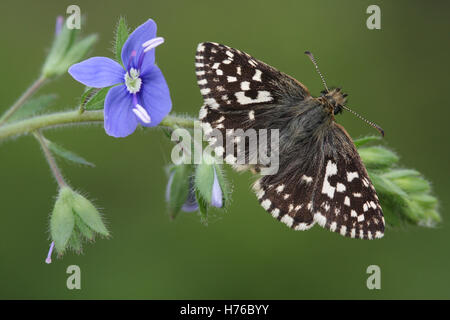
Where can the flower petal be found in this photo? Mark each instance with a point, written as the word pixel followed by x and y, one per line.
pixel 142 34
pixel 97 72
pixel 216 193
pixel 155 96
pixel 120 121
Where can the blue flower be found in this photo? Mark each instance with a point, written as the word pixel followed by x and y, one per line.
pixel 142 96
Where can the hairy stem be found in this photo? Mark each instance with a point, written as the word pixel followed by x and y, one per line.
pixel 50 159
pixel 74 117
pixel 25 96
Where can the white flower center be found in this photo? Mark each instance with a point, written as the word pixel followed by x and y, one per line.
pixel 132 81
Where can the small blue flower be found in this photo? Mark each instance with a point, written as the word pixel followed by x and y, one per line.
pixel 142 96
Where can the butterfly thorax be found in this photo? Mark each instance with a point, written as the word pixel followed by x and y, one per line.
pixel 333 100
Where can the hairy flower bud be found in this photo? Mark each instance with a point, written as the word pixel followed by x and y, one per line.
pixel 74 218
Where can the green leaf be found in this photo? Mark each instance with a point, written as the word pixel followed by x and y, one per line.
pixel 425 200
pixel 62 220
pixel 89 214
pixel 401 173
pixel 179 188
pixel 202 206
pixel 121 37
pixel 96 99
pixel 88 93
pixel 75 242
pixel 377 157
pixel 66 154
pixel 393 199
pixel 365 140
pixel 84 229
pixel 33 107
pixel 412 184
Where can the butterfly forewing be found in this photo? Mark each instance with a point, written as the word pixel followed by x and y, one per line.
pixel 241 92
pixel 231 79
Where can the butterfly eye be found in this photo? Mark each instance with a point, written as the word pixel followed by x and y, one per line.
pixel 337 109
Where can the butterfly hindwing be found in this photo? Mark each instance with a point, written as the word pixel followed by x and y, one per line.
pixel 289 202
pixel 345 200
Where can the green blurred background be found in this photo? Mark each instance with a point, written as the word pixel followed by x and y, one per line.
pixel 396 76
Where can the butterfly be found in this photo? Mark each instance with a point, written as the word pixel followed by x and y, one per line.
pixel 321 178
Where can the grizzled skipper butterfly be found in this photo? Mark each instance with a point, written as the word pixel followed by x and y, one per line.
pixel 321 178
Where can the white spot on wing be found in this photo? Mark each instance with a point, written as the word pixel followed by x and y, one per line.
pixel 207 129
pixel 320 219
pixel 275 212
pixel 245 85
pixel 280 188
pixel 333 226
pixel 263 96
pixel 266 204
pixel 257 76
pixel 212 103
pixel 330 170
pixel 203 112
pixel 288 220
pixel 347 201
pixel 200 47
pixel 340 187
pixel 352 175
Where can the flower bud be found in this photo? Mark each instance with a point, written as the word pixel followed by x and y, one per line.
pixel 179 190
pixel 74 218
pixel 65 51
pixel 190 204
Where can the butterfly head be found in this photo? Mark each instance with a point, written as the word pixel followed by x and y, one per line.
pixel 334 100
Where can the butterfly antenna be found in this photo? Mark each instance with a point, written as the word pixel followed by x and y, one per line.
pixel 310 55
pixel 380 130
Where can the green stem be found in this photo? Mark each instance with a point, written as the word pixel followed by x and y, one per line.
pixel 25 96
pixel 50 159
pixel 74 117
